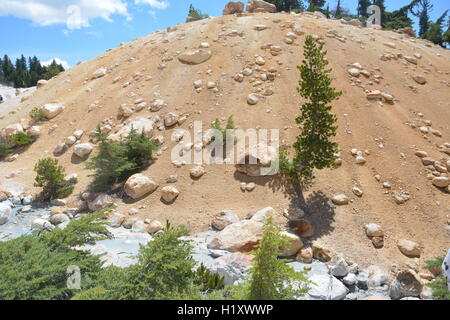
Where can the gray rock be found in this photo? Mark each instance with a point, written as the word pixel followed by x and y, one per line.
pixel 326 287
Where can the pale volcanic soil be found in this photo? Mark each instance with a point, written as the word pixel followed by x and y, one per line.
pixel 363 124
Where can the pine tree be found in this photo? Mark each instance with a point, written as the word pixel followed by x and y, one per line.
pixel 338 11
pixel 315 5
pixel 288 5
pixel 271 278
pixel 423 13
pixel 362 8
pixel 435 32
pixel 314 148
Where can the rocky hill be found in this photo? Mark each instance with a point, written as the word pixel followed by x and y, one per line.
pixel 394 128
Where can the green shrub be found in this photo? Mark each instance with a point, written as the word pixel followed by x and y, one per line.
pixel 50 176
pixel 271 278
pixel 229 126
pixel 5 148
pixel 206 280
pixel 116 161
pixel 195 14
pixel 37 115
pixel 439 285
pixel 21 139
pixel 34 267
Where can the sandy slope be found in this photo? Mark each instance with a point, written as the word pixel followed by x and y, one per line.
pixel 362 125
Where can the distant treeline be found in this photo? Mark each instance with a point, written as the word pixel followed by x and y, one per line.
pixel 26 73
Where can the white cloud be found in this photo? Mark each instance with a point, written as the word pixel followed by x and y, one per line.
pixel 153 3
pixel 74 13
pixel 64 63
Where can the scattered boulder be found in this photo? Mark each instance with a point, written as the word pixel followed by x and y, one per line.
pixel 253 98
pixel 195 57
pixel 116 220
pixel 321 253
pixel 170 119
pixel 169 193
pixel 197 172
pixel 140 124
pixel 340 199
pixel 59 218
pixel 409 248
pixel 101 72
pixel 232 266
pixel 326 287
pixel 5 212
pixel 154 227
pixel 41 224
pixel 139 185
pixel 420 79
pixel 51 110
pixel 100 202
pixel 441 182
pixel 83 149
pixel 338 267
pixel 374 230
pixel 41 83
pixel 223 219
pixel 263 214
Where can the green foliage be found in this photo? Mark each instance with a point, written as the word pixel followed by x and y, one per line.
pixel 362 8
pixel 228 127
pixel 288 5
pixel 435 32
pixel 207 281
pixel 21 139
pixel 37 115
pixel 315 5
pixel 314 148
pixel 164 268
pixel 34 267
pixel 24 74
pixel 5 148
pixel 116 161
pixel 423 13
pixel 271 278
pixel 439 285
pixel 50 176
pixel 195 14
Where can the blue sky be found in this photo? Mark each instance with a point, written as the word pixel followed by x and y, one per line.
pixel 56 29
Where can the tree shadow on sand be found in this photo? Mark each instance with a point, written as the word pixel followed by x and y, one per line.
pixel 318 208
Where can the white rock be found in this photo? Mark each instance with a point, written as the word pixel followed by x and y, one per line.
pixel 340 199
pixel 51 110
pixel 169 193
pixel 139 185
pixel 83 149
pixel 326 287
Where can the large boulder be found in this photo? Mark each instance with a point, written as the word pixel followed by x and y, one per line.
pixel 258 160
pixel 83 149
pixel 51 110
pixel 405 284
pixel 231 267
pixel 260 6
pixel 233 7
pixel 195 57
pixel 241 236
pixel 326 287
pixel 59 218
pixel 139 124
pixel 5 212
pixel 41 224
pixel 100 202
pixel 139 185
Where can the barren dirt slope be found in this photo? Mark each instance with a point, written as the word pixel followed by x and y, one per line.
pixel 381 128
